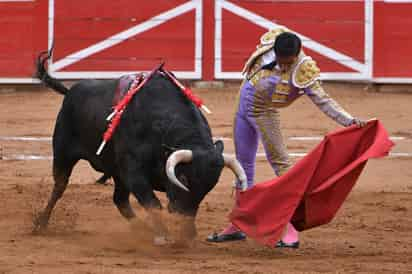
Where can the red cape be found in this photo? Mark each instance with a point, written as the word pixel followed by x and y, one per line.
pixel 313 190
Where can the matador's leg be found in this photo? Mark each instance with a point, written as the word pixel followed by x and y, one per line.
pixel 246 144
pixel 269 128
pixel 276 153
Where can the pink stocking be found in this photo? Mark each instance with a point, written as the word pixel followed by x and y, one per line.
pixel 290 235
pixel 230 228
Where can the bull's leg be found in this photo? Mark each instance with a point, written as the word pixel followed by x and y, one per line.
pixel 187 232
pixel 121 199
pixel 187 227
pixel 158 227
pixel 143 192
pixel 61 174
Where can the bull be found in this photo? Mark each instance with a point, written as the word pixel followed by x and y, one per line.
pixel 163 143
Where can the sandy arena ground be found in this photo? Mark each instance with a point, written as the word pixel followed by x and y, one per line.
pixel 372 232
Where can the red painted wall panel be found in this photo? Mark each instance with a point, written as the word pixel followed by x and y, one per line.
pixel 208 54
pixel 20 38
pixel 335 24
pixel 162 43
pixel 80 26
pixel 392 40
pixel 237 45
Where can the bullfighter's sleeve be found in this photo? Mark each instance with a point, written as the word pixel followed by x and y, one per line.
pixel 306 77
pixel 328 106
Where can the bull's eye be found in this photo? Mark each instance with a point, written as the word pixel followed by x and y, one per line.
pixel 183 179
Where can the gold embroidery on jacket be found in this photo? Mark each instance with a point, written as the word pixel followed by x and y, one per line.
pixel 306 73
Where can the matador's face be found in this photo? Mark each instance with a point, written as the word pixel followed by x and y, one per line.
pixel 286 62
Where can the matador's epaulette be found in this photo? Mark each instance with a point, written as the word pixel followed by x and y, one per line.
pixel 267 41
pixel 269 37
pixel 305 73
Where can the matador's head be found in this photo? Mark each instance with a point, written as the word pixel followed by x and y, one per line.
pixel 287 48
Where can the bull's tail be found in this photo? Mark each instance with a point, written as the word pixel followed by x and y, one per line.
pixel 44 76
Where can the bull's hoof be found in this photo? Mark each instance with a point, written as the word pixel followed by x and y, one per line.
pixel 160 241
pixel 39 225
pixel 183 243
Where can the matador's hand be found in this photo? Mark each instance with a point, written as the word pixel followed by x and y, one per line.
pixel 359 122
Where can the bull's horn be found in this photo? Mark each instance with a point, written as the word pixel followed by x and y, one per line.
pixel 179 156
pixel 235 166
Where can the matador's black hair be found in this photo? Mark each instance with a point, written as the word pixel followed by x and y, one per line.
pixel 287 44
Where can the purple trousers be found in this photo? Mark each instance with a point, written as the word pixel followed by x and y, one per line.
pixel 256 119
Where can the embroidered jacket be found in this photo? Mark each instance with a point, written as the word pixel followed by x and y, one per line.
pixel 277 89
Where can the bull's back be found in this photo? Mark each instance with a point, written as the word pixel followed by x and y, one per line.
pixel 85 108
pixel 161 109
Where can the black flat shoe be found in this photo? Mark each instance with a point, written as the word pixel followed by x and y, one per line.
pixel 282 244
pixel 219 238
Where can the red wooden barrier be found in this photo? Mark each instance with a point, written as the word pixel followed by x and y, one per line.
pixel 202 39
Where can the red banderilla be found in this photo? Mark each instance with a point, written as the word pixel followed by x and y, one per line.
pixel 119 108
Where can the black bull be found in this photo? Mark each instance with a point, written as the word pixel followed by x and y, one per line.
pixel 163 143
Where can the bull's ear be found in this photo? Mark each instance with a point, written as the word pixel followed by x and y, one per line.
pixel 219 146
